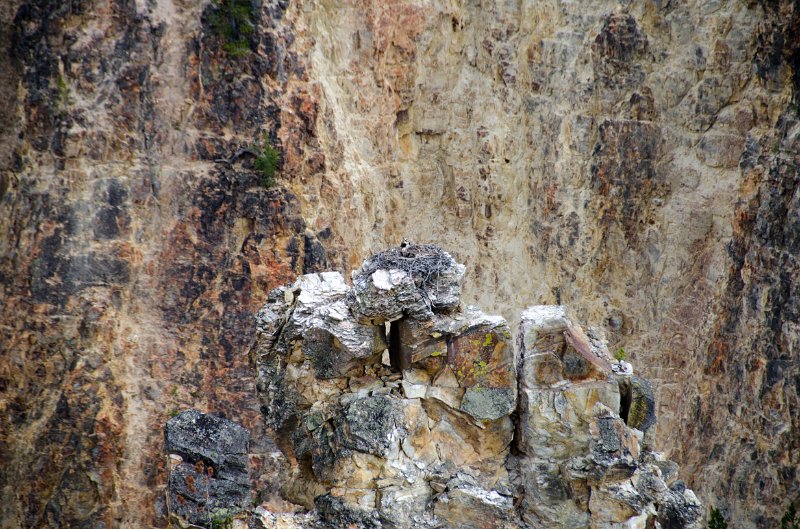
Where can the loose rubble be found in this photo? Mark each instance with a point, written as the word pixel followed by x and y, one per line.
pixel 396 407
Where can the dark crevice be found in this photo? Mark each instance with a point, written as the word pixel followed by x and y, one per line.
pixel 398 359
pixel 625 399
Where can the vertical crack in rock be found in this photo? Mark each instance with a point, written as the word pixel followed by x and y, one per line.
pixel 457 428
pixel 399 358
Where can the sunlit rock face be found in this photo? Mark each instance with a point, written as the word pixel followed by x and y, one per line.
pixel 446 422
pixel 634 161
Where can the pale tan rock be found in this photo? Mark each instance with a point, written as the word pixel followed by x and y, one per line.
pixel 451 396
pixel 364 385
pixel 414 391
pixel 445 378
pixel 417 376
pixel 475 508
pixel 405 506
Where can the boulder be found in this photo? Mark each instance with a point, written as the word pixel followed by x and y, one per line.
pixel 209 468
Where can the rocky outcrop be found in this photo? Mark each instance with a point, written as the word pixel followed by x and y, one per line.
pixel 584 459
pixel 445 423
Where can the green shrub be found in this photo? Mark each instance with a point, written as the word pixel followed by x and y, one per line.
pixel 233 23
pixel 620 354
pixel 790 519
pixel 64 101
pixel 221 522
pixel 716 520
pixel 266 163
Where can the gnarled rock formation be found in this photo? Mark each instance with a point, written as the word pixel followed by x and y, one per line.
pixel 445 423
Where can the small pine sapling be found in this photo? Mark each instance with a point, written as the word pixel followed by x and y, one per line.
pixel 716 520
pixel 791 519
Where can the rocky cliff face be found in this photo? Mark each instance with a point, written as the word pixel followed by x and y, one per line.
pixel 635 161
pixel 132 261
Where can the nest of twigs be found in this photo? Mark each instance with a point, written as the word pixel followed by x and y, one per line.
pixel 423 262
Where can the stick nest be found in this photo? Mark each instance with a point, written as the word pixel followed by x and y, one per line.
pixel 423 262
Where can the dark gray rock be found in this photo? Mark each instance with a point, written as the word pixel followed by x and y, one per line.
pixel 650 486
pixel 209 475
pixel 489 403
pixel 197 496
pixel 218 442
pixel 613 448
pixel 679 508
pixel 367 424
pixel 337 515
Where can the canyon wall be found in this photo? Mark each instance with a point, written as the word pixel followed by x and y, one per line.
pixel 635 161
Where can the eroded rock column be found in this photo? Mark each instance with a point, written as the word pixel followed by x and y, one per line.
pixel 583 418
pixel 392 403
pixel 397 407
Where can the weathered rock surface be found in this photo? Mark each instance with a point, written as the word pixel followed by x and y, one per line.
pixel 131 262
pixel 580 431
pixel 392 443
pixel 421 434
pixel 634 161
pixel 209 481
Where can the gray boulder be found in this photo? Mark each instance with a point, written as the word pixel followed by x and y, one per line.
pixel 209 468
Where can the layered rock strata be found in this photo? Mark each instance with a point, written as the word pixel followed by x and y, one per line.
pixel 396 407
